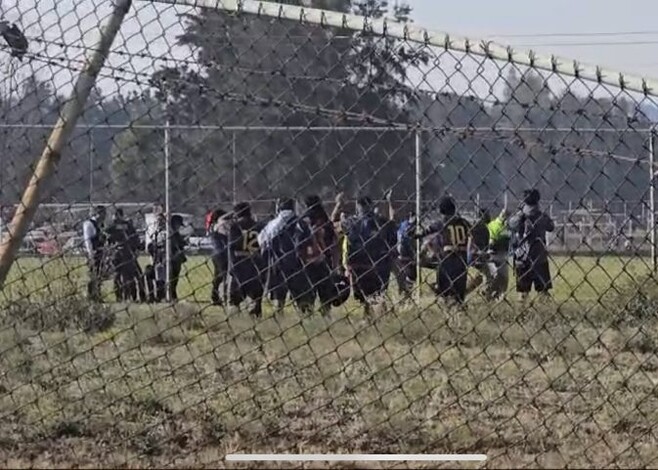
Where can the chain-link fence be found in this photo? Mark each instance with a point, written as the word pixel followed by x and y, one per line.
pixel 521 327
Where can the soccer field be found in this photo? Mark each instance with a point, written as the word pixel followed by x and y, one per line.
pixel 186 384
pixel 582 279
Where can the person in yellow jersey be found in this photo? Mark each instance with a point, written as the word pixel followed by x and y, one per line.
pixel 497 261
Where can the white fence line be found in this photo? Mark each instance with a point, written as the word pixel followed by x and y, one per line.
pixel 386 27
pixel 410 128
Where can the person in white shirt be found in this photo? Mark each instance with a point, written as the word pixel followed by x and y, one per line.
pixel 94 241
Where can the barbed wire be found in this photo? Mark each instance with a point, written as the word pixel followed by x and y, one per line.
pixel 327 112
pixel 343 81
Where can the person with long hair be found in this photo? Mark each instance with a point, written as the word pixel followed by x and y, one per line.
pixel 323 256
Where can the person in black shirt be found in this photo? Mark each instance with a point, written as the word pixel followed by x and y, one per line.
pixel 178 258
pixel 453 239
pixel 246 264
pixel 124 243
pixel 529 227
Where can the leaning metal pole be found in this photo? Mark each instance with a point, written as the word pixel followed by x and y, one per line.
pixel 58 139
pixel 652 202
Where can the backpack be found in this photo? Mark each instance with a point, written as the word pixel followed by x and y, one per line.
pixel 521 248
pixel 293 240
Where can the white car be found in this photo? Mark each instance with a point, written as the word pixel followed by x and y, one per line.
pixel 199 244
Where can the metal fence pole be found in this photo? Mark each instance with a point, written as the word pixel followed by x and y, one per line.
pixel 235 168
pixel 91 167
pixel 652 202
pixel 59 137
pixel 167 212
pixel 419 270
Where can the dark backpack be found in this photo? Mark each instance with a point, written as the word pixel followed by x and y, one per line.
pixel 293 239
pixel 525 237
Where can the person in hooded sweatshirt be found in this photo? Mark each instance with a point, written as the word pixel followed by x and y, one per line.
pixel 283 243
pixel 371 242
pixel 528 228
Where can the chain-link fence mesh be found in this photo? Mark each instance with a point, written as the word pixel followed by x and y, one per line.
pixel 120 349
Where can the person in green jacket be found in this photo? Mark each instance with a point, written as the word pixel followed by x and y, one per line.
pixel 499 241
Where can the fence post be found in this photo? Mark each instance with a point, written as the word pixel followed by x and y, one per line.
pixel 234 164
pixel 91 167
pixel 167 207
pixel 419 244
pixel 652 201
pixel 58 139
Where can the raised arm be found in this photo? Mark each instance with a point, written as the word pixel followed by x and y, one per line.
pixel 389 202
pixel 338 208
pixel 549 224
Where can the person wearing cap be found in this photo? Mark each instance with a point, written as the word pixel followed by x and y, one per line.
pixel 371 243
pixel 529 227
pixel 452 241
pixel 283 242
pixel 93 234
pixel 246 264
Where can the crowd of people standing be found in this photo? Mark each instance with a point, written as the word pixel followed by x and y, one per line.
pixel 318 259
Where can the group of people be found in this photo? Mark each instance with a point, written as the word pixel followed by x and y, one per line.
pixel 316 258
pixel 291 255
pixel 319 259
pixel 113 250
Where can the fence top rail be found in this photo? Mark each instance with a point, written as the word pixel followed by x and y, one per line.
pixel 563 130
pixel 390 28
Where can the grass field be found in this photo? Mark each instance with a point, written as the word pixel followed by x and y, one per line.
pixel 570 382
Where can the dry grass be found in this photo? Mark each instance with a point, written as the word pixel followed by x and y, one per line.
pixel 569 383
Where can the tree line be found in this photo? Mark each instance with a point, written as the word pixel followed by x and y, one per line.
pixel 256 71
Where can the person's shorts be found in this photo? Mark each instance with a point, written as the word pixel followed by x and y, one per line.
pixel 369 281
pixel 537 275
pixel 452 277
pixel 245 281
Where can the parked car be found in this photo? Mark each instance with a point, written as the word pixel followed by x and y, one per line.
pixel 199 244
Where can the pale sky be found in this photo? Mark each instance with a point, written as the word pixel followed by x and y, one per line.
pixel 495 18
pixel 151 30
